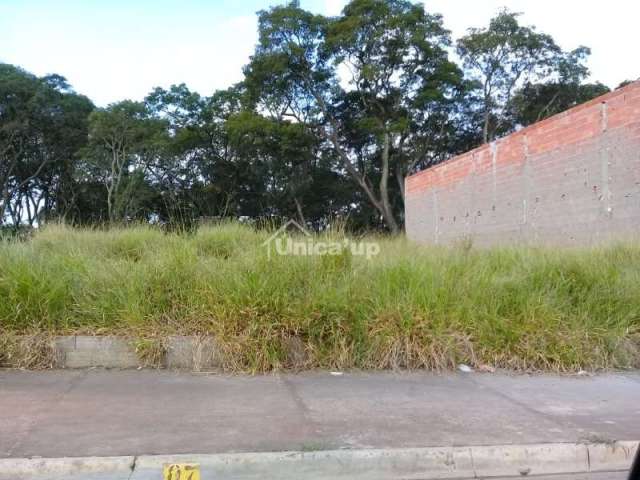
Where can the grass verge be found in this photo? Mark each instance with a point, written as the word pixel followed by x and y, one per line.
pixel 408 307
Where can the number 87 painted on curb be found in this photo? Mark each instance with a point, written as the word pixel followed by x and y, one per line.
pixel 181 471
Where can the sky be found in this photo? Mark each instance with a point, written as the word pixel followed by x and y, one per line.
pixel 110 50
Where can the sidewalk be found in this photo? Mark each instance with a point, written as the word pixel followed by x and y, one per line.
pixel 110 413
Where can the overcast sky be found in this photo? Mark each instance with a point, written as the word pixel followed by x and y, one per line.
pixel 115 49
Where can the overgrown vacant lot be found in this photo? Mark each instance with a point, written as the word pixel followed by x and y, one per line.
pixel 411 306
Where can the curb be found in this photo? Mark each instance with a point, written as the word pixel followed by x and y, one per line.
pixel 408 463
pixel 40 468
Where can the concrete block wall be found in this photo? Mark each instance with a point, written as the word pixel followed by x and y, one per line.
pixel 572 179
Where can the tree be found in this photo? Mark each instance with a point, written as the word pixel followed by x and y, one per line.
pixel 198 173
pixel 500 59
pixel 43 123
pixel 65 136
pixel 286 164
pixel 120 138
pixel 401 82
pixel 563 90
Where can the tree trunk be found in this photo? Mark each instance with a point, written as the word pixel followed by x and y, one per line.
pixel 386 210
pixel 400 180
pixel 382 205
pixel 110 203
pixel 485 128
pixel 299 210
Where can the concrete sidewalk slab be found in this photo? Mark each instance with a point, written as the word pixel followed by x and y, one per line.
pixel 111 412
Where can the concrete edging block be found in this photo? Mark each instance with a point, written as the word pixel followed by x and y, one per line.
pixel 89 351
pixel 181 352
pixel 188 352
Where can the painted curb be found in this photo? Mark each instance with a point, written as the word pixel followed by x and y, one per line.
pixel 407 463
pixel 414 463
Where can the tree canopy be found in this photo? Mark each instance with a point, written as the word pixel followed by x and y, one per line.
pixel 332 114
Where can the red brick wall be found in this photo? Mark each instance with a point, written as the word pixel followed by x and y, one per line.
pixel 573 178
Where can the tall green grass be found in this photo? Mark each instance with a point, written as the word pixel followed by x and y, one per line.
pixel 411 306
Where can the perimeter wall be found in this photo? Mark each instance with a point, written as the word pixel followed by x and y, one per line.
pixel 573 178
